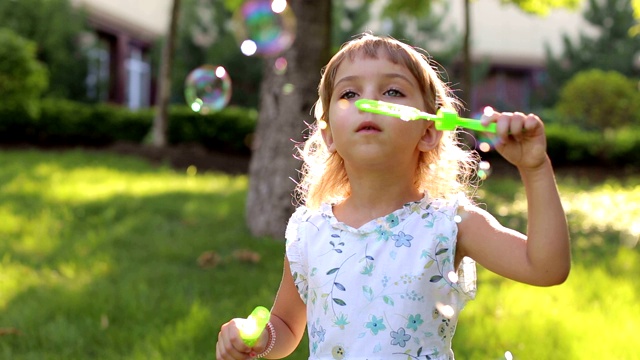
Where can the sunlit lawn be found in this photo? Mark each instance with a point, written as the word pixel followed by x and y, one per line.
pixel 98 260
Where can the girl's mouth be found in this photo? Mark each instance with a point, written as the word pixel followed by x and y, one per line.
pixel 368 126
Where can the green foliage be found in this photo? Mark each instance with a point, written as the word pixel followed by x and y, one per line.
pixel 229 130
pixel 542 7
pixel 612 49
pixel 55 26
pixel 98 256
pixel 22 77
pixel 68 123
pixel 596 99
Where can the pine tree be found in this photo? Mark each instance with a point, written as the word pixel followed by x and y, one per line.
pixel 613 49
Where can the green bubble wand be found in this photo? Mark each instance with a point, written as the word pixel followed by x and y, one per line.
pixel 251 328
pixel 444 119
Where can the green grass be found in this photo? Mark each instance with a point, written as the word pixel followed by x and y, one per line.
pixel 98 260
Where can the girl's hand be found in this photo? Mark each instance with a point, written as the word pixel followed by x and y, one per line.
pixel 519 138
pixel 231 346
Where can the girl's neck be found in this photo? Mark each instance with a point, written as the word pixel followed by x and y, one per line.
pixel 375 196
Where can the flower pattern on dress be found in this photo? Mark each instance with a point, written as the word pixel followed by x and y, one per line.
pixel 399 337
pixel 414 322
pixel 402 239
pixel 373 290
pixel 375 325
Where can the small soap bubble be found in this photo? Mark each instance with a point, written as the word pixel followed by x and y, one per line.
pixel 280 66
pixel 248 47
pixel 452 276
pixel 343 104
pixel 207 88
pixel 264 27
pixel 288 88
pixel 446 310
pixel 484 170
pixel 457 219
pixel 192 170
pixel 484 146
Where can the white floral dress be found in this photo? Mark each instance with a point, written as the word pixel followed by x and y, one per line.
pixel 387 290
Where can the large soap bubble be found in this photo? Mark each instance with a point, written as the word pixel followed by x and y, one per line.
pixel 264 27
pixel 207 88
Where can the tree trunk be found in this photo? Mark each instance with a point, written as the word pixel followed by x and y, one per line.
pixel 466 96
pixel 285 107
pixel 161 119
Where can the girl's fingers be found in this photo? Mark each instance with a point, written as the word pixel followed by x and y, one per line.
pixel 488 116
pixel 532 122
pixel 516 126
pixel 230 345
pixel 503 125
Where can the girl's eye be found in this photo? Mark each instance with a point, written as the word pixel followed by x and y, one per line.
pixel 348 95
pixel 393 93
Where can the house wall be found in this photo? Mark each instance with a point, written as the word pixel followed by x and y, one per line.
pixel 506 34
pixel 125 31
pixel 144 19
pixel 511 41
pixel 514 43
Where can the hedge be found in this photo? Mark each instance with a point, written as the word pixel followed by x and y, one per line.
pixel 67 123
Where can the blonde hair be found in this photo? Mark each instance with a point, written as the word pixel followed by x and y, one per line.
pixel 443 172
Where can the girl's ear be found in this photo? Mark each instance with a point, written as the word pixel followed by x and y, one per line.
pixel 430 139
pixel 327 136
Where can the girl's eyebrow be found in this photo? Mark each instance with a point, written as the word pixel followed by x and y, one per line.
pixel 386 75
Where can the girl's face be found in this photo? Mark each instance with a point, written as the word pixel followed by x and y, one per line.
pixel 363 138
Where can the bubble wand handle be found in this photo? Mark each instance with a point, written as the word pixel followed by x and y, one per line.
pixel 444 119
pixel 251 327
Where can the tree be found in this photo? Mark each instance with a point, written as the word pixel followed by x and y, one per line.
pixel 161 119
pixel 56 27
pixel 22 77
pixel 283 115
pixel 613 49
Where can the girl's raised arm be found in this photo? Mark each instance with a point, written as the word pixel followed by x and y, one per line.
pixel 543 256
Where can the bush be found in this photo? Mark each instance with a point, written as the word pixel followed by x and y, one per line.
pixel 56 26
pixel 70 123
pixel 22 77
pixel 597 100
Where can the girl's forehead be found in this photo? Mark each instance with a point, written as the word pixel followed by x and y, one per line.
pixel 364 67
pixel 362 62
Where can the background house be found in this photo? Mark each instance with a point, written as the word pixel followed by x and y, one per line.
pixel 509 44
pixel 512 44
pixel 119 50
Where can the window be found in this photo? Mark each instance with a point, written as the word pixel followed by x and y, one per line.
pixel 98 74
pixel 138 79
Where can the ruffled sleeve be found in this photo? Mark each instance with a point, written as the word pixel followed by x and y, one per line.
pixel 467 268
pixel 296 252
pixel 464 280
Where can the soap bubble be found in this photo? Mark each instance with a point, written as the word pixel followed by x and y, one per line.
pixel 264 27
pixel 207 88
pixel 484 170
pixel 280 66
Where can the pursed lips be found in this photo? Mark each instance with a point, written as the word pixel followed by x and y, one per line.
pixel 368 126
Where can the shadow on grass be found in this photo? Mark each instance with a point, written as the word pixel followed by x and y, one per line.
pixel 118 278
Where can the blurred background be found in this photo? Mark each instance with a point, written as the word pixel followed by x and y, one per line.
pixel 146 163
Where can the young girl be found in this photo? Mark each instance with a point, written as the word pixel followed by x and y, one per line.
pixel 380 258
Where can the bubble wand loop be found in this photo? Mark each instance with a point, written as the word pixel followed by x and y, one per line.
pixel 444 119
pixel 251 328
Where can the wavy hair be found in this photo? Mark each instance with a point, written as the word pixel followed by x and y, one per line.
pixel 443 172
